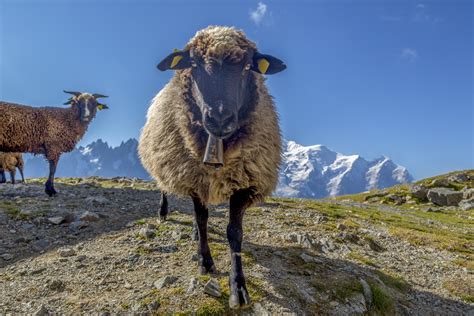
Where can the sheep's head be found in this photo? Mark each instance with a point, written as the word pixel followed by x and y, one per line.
pixel 87 104
pixel 221 62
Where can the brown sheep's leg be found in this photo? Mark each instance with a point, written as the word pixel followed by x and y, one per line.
pixel 163 206
pixel 201 213
pixel 20 168
pixel 3 179
pixel 239 201
pixel 12 175
pixel 49 185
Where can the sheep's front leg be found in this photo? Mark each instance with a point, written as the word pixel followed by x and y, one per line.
pixel 49 185
pixel 201 214
pixel 239 201
pixel 3 179
pixel 163 206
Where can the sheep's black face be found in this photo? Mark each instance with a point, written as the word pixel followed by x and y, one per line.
pixel 220 89
pixel 220 86
pixel 87 104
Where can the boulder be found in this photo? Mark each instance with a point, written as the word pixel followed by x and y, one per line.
pixel 419 191
pixel 444 196
pixel 467 205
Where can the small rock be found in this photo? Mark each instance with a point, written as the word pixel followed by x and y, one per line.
pixel 375 246
pixel 367 292
pixel 56 285
pixel 77 225
pixel 146 233
pixel 127 285
pixel 467 193
pixel 6 256
pixel 66 252
pixel 42 311
pixel 213 288
pixel 150 226
pixel 418 191
pixel 153 306
pixel 307 258
pixel 89 217
pixel 193 283
pixel 440 182
pixel 100 200
pixel 341 226
pixel 194 257
pixel 459 178
pixel 56 220
pixel 467 205
pixel 321 219
pixel 350 237
pixel 165 281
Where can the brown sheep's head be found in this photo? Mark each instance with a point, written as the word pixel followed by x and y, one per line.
pixel 221 62
pixel 87 104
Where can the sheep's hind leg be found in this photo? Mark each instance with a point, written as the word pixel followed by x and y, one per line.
pixel 239 201
pixel 3 179
pixel 49 185
pixel 12 175
pixel 201 213
pixel 163 206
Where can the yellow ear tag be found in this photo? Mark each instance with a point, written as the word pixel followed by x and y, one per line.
pixel 263 65
pixel 100 107
pixel 176 60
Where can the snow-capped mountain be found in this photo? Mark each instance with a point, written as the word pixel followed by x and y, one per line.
pixel 96 159
pixel 309 172
pixel 316 172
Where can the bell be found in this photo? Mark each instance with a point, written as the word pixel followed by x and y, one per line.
pixel 214 155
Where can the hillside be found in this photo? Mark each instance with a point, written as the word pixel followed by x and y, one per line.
pixel 97 247
pixel 306 172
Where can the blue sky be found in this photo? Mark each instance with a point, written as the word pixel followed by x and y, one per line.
pixel 374 78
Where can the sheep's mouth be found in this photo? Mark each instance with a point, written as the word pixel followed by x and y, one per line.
pixel 214 154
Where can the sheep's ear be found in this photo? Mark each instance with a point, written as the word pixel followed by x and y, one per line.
pixel 101 106
pixel 175 61
pixel 267 64
pixel 70 101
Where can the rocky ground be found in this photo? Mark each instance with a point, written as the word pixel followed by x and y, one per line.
pixel 97 248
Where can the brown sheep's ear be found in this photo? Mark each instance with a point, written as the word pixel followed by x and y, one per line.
pixel 175 61
pixel 70 101
pixel 267 64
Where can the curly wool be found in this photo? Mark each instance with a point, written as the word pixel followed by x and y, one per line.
pixel 172 142
pixel 10 161
pixel 39 130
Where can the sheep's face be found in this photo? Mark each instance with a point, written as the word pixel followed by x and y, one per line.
pixel 220 86
pixel 87 104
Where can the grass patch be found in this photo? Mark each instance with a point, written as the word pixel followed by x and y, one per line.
pixel 10 208
pixel 383 303
pixel 339 287
pixel 393 281
pixel 461 288
pixel 361 258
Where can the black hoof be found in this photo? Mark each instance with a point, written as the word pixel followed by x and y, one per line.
pixel 239 296
pixel 211 270
pixel 49 189
pixel 162 218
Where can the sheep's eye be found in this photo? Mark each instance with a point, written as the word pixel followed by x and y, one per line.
pixel 247 67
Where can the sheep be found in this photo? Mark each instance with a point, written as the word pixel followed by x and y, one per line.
pixel 9 162
pixel 47 130
pixel 217 99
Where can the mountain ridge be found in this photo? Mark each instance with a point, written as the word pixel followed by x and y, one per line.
pixel 307 171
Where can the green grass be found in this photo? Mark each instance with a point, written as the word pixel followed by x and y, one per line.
pixel 393 281
pixel 382 302
pixel 362 259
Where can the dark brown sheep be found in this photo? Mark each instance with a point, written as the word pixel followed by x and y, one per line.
pixel 47 130
pixel 217 96
pixel 9 162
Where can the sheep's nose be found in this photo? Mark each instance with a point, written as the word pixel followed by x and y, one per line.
pixel 220 123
